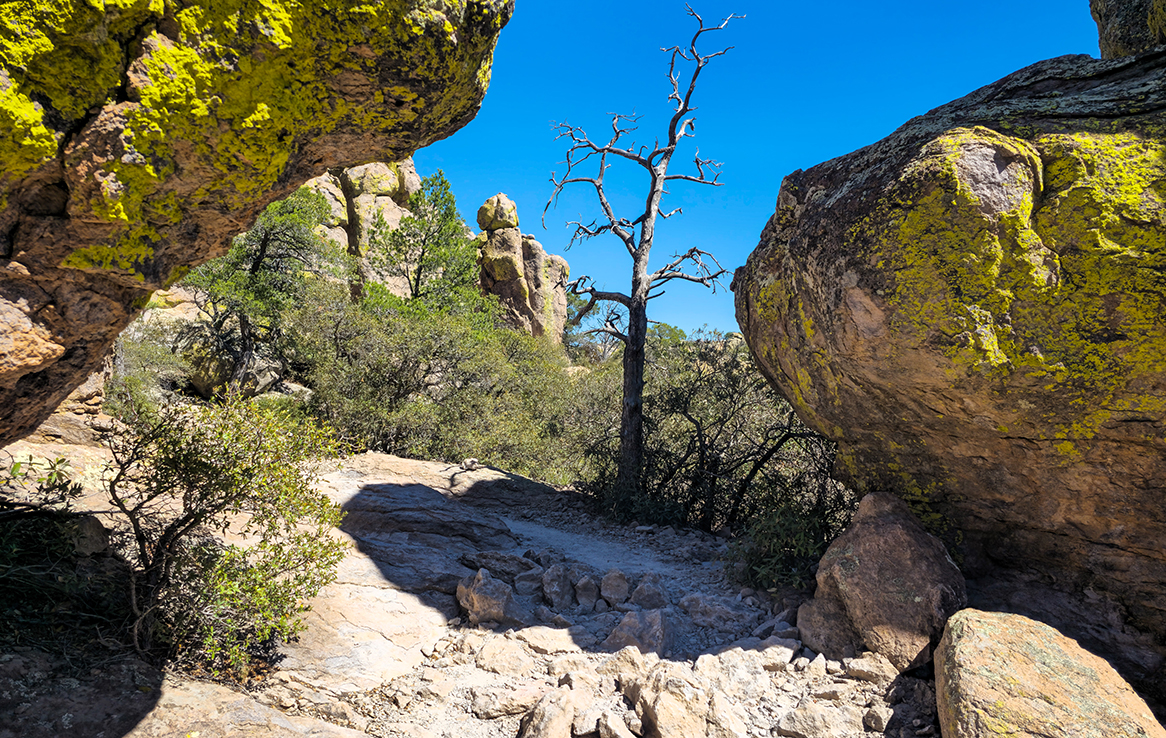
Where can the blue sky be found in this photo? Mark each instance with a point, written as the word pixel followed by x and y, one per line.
pixel 805 82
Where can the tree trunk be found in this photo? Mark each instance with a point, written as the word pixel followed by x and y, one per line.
pixel 630 478
pixel 246 353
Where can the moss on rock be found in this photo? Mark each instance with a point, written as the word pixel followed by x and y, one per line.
pixel 141 135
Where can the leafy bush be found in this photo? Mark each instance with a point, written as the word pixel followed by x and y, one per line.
pixel 50 596
pixel 146 371
pixel 179 477
pixel 403 379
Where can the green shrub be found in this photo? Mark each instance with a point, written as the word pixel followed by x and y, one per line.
pixel 403 378
pixel 50 596
pixel 722 448
pixel 179 477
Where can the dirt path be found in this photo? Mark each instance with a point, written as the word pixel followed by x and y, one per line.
pixel 603 623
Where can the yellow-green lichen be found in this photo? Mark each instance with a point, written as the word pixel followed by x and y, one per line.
pixel 244 84
pixel 27 142
pixel 1069 289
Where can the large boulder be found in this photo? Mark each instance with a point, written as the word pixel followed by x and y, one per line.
pixel 884 585
pixel 1003 674
pixel 972 308
pixel 530 283
pixel 1129 27
pixel 139 137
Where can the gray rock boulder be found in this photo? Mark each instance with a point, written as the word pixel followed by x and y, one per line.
pixel 711 611
pixel 1128 27
pixel 557 588
pixel 648 630
pixel 489 600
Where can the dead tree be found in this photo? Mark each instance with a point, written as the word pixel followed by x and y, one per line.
pixel 638 234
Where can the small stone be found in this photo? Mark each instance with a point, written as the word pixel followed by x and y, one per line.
pixel 877 718
pixel 613 726
pixel 650 593
pixel 601 605
pixel 486 599
pixel 552 716
pixel 529 582
pixel 615 587
pixel 648 631
pixel 817 666
pixel 587 592
pixel 872 667
pixel 489 704
pixel 504 656
pixel 548 640
pixel 557 588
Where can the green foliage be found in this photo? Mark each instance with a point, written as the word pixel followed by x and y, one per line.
pixel 431 250
pixel 181 476
pixel 432 384
pixel 31 487
pixel 49 594
pixel 146 370
pixel 265 272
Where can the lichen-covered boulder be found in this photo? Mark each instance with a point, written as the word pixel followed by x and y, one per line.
pixel 140 136
pixel 1004 674
pixel 1129 27
pixel 497 213
pixel 973 308
pixel 884 585
pixel 362 199
pixel 530 283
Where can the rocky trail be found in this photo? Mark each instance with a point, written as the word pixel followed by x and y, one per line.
pixel 479 604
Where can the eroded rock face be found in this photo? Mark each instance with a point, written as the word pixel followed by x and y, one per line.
pixel 139 140
pixel 884 585
pixel 972 307
pixel 1128 27
pixel 362 198
pixel 531 283
pixel 1015 676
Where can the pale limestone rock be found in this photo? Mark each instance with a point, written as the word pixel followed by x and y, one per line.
pixel 546 640
pixel 1027 680
pixel 814 720
pixel 552 716
pixel 496 702
pixel 504 656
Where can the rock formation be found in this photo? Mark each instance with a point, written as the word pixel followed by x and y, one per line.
pixel 972 307
pixel 139 140
pixel 884 585
pixel 360 196
pixel 530 283
pixel 1013 676
pixel 1129 27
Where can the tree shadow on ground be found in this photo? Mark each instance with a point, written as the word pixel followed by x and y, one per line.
pixel 422 537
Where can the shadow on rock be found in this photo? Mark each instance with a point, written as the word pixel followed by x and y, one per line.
pixel 48 695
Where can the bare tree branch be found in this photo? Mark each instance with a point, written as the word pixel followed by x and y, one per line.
pixel 638 233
